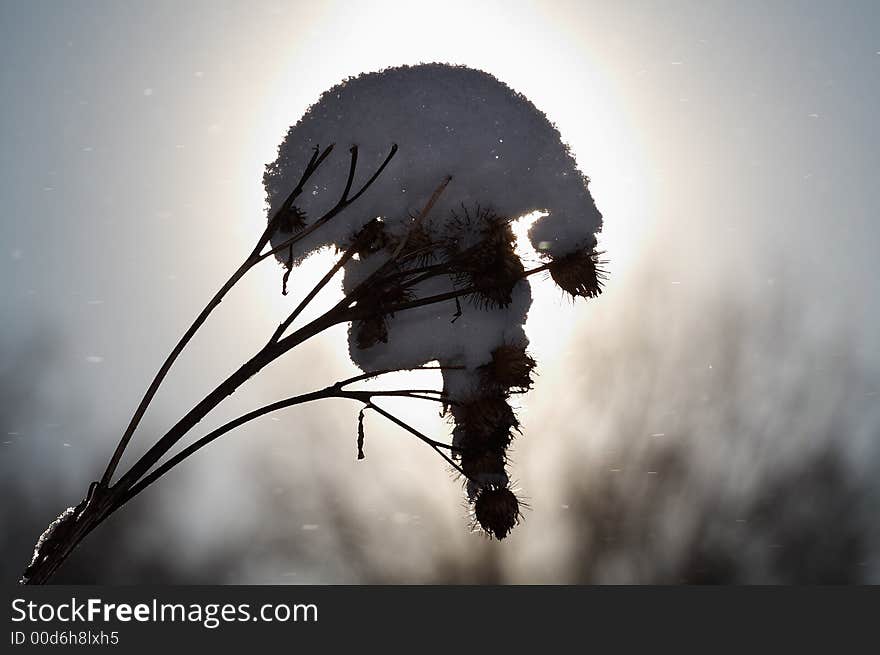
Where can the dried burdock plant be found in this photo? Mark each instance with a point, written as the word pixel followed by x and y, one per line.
pixel 431 277
pixel 579 273
pixel 510 369
pixel 496 510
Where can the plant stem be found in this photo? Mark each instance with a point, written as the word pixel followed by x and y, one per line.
pixel 252 259
pixel 328 392
pixel 166 366
pixel 265 356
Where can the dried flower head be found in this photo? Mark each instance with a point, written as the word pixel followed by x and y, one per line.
pixel 493 270
pixel 485 467
pixel 371 238
pixel 291 219
pixel 496 510
pixel 580 273
pixel 498 439
pixel 480 251
pixel 484 417
pixel 379 297
pixel 510 368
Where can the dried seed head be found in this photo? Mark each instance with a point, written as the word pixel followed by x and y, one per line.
pixel 496 510
pixel 372 238
pixel 484 467
pixel 510 368
pixel 493 270
pixel 481 254
pixel 485 415
pixel 465 228
pixel 475 441
pixel 381 293
pixel 579 273
pixel 291 219
pixel 483 424
pixel 379 299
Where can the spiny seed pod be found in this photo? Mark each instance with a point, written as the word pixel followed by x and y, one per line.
pixel 491 265
pixel 465 227
pixel 484 466
pixel 579 273
pixel 496 510
pixel 291 219
pixel 486 415
pixel 380 296
pixel 381 293
pixel 494 276
pixel 474 441
pixel 480 252
pixel 510 368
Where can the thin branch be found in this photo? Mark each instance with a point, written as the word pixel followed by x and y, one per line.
pixel 161 470
pixel 263 358
pixel 396 392
pixel 378 172
pixel 337 208
pixel 354 160
pixel 315 161
pixel 373 374
pixel 166 366
pixel 421 436
pixel 416 394
pixel 328 392
pixel 286 323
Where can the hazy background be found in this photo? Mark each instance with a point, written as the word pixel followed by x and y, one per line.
pixel 713 417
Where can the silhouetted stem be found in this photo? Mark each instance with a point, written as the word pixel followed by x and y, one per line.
pixel 252 259
pixel 333 391
pixel 372 374
pixel 346 256
pixel 344 201
pixel 421 436
pixel 255 364
pixel 166 366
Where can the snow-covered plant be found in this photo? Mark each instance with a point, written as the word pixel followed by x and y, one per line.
pixel 440 160
pixel 496 157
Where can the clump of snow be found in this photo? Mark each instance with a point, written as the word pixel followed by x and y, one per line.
pixel 447 121
pixel 499 149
